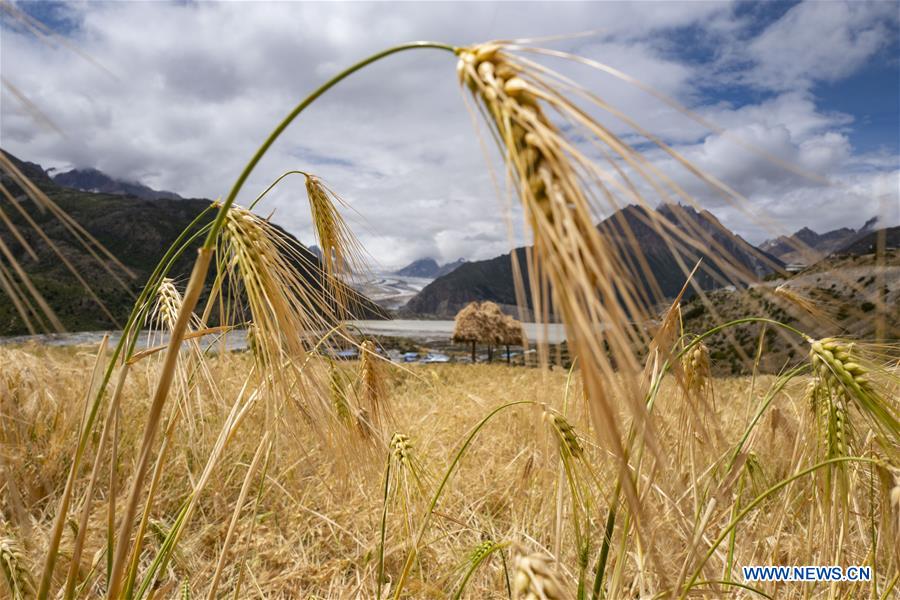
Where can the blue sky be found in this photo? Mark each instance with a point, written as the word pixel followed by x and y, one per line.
pixel 872 96
pixel 187 90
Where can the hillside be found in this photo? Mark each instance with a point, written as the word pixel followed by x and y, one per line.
pixel 853 295
pixel 136 231
pixel 476 280
pixel 868 243
pixel 493 279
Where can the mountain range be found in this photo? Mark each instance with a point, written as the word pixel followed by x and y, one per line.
pixel 138 223
pixel 631 231
pixel 807 247
pixel 137 231
pixel 428 268
pixel 92 180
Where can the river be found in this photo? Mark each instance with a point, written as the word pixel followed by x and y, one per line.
pixel 419 330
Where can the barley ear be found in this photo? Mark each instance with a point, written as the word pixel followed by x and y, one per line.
pixel 341 251
pixel 536 579
pixel 373 387
pixel 12 563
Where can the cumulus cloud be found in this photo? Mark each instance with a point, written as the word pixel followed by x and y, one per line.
pixel 820 41
pixel 189 90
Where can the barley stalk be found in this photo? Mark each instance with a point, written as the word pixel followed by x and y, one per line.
pixel 192 293
pixel 238 507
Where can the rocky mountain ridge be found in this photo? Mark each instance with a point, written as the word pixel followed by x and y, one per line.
pixel 631 231
pixel 92 180
pixel 805 246
pixel 428 268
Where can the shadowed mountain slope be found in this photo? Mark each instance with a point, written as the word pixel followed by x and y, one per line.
pixel 633 232
pixel 135 230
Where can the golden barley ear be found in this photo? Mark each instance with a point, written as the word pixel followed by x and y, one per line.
pixel 339 397
pixel 409 462
pixel 587 277
pixel 849 394
pixel 808 306
pixel 698 406
pixel 341 251
pixel 192 370
pixel 697 375
pixel 408 483
pixel 260 273
pixel 849 373
pixel 538 118
pixel 167 306
pixel 13 565
pixel 373 391
pixel 535 578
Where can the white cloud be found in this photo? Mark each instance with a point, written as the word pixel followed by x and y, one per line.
pixel 820 41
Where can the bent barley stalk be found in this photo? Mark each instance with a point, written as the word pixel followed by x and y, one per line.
pixel 192 294
pixel 591 283
pixel 475 559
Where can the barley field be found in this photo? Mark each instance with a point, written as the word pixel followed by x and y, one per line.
pixel 170 470
pixel 310 512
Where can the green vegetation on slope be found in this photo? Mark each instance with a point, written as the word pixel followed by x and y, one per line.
pixel 136 231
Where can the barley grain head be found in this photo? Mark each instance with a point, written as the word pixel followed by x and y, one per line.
pixel 14 566
pixel 587 278
pixel 535 579
pixel 850 380
pixel 372 385
pixel 341 251
pixel 261 267
pixel 564 433
pixel 807 305
pixel 697 374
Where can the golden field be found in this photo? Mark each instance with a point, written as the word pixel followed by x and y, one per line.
pixel 309 524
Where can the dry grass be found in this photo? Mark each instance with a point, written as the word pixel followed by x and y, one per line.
pixel 314 527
